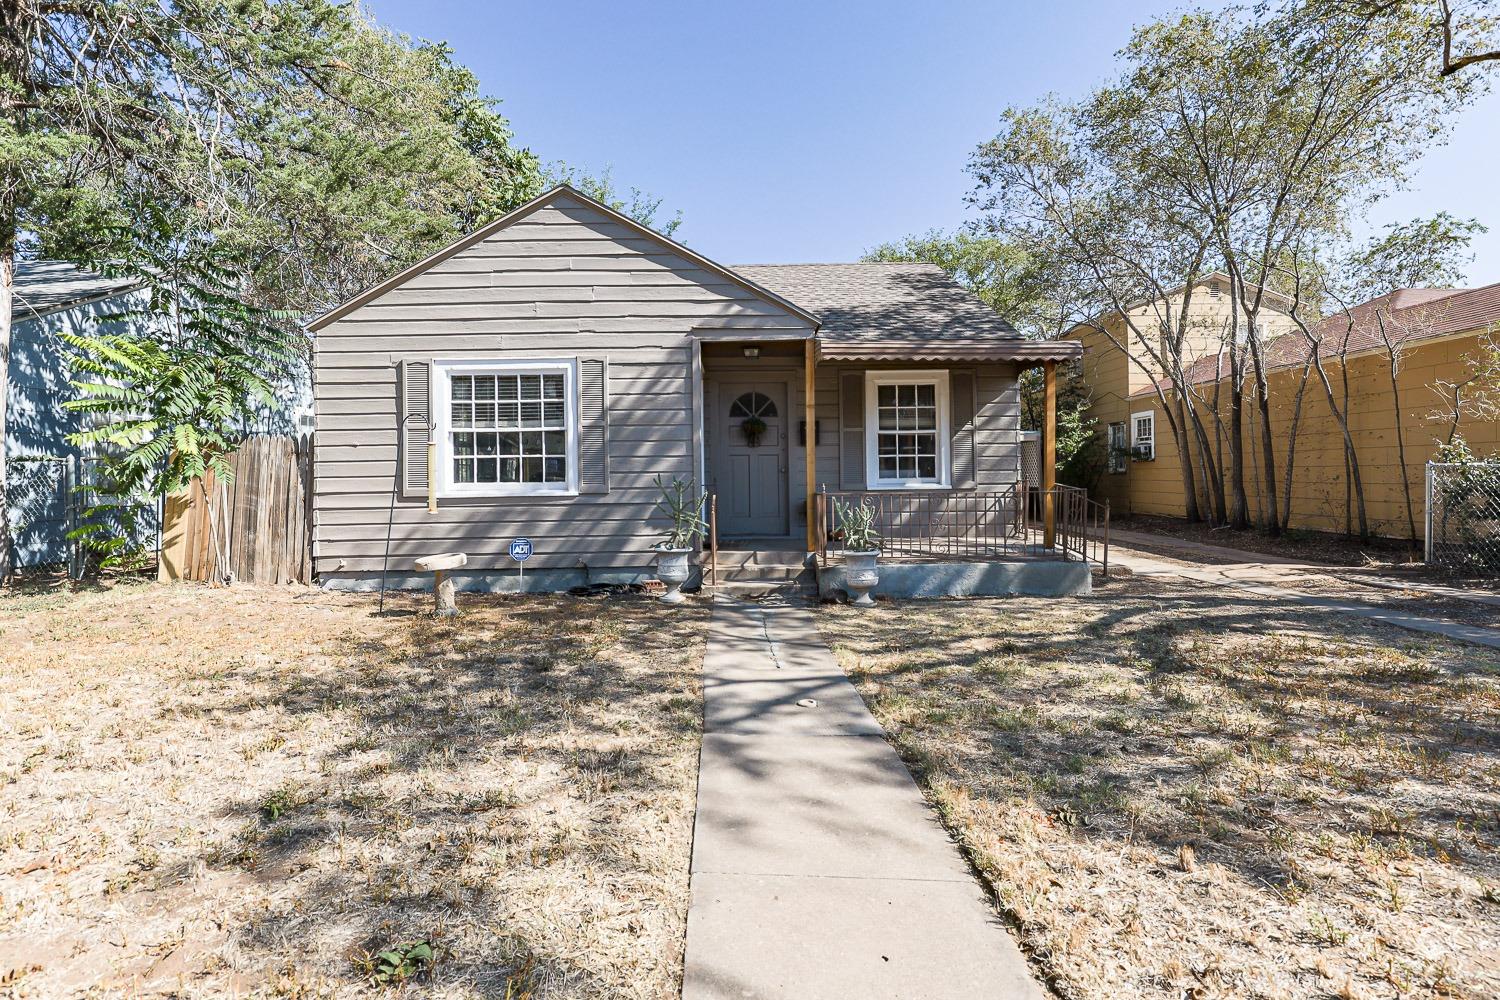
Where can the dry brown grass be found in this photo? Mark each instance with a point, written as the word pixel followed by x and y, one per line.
pixel 206 793
pixel 1186 792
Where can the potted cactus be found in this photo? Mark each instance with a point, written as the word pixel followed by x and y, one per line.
pixel 861 548
pixel 682 503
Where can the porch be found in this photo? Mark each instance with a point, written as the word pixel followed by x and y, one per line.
pixel 792 431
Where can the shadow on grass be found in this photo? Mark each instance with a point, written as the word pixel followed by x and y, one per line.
pixel 512 739
pixel 1152 718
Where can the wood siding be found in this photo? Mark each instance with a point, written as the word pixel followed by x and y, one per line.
pixel 564 281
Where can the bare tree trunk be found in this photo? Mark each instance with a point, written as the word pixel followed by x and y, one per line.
pixel 1185 450
pixel 1272 518
pixel 1239 510
pixel 1411 518
pixel 1291 447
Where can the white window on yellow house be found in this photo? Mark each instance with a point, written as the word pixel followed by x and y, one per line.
pixel 1143 435
pixel 1118 449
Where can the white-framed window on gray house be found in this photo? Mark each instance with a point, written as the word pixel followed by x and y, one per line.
pixel 1118 448
pixel 1143 434
pixel 906 429
pixel 506 427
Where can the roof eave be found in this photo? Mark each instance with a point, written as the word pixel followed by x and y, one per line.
pixel 988 349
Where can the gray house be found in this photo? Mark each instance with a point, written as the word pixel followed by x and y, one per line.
pixel 532 379
pixel 42 467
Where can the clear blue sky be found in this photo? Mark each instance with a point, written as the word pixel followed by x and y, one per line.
pixel 812 130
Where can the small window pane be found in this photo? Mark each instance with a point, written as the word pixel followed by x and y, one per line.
pixel 531 387
pixel 552 387
pixel 556 469
pixel 484 387
pixel 887 420
pixel 927 395
pixel 531 470
pixel 531 413
pixel 484 414
pixel 463 387
pixel 463 444
pixel 887 444
pixel 888 468
pixel 927 467
pixel 887 395
pixel 486 443
pixel 507 387
pixel 531 443
pixel 463 414
pixel 507 415
pixel 486 467
pixel 552 414
pixel 926 420
pixel 509 444
pixel 555 442
pixel 510 470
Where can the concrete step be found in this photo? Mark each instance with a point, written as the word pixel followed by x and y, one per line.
pixel 760 589
pixel 751 571
pixel 757 557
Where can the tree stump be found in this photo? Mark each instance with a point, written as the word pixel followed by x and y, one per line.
pixel 443 587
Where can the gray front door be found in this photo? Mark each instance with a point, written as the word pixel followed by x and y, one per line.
pixel 749 469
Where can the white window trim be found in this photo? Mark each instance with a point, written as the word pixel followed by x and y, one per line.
pixel 1135 440
pixel 874 379
pixel 441 390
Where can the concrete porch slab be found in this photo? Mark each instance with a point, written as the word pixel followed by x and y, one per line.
pixel 1032 577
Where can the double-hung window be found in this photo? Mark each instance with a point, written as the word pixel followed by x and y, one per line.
pixel 1143 434
pixel 906 436
pixel 506 427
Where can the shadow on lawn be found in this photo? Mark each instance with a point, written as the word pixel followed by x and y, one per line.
pixel 1345 709
pixel 387 841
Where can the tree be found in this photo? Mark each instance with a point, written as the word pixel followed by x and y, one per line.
pixel 1229 143
pixel 171 399
pixel 1449 35
pixel 319 150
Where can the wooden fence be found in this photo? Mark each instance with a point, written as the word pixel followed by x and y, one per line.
pixel 261 518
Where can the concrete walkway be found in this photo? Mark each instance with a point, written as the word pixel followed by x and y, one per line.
pixel 1353 574
pixel 1278 582
pixel 819 871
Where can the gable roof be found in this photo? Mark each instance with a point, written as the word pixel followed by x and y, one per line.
pixel 43 287
pixel 516 215
pixel 1412 315
pixel 1274 298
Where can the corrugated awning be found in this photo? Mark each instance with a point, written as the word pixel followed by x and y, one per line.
pixel 987 349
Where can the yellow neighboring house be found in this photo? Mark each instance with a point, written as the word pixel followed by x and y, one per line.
pixel 1438 338
pixel 1121 393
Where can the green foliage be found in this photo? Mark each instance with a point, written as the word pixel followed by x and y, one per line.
pixel 1422 253
pixel 400 962
pixel 682 503
pixel 857 522
pixel 171 397
pixel 636 204
pixel 1005 275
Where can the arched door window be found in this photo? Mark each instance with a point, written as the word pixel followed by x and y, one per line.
pixel 753 404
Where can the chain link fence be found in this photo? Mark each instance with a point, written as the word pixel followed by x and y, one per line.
pixel 52 499
pixel 1463 516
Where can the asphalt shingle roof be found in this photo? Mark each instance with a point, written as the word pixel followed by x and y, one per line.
pixel 44 286
pixel 881 302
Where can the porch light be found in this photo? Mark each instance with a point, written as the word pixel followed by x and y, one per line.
pixel 752 352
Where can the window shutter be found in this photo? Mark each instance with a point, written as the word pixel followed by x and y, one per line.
pixel 852 431
pixel 416 421
pixel 961 447
pixel 593 425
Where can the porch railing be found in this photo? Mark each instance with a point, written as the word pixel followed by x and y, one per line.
pixel 974 524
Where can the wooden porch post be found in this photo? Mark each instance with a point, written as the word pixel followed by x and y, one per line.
pixel 1049 455
pixel 810 439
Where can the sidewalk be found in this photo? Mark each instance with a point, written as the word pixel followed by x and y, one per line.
pixel 1276 582
pixel 819 871
pixel 1291 567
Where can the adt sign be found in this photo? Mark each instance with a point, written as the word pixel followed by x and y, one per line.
pixel 520 549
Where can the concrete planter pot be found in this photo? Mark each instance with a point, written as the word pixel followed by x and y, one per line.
pixel 861 574
pixel 673 569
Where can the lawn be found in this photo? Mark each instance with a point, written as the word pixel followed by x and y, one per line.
pixel 1182 792
pixel 275 792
